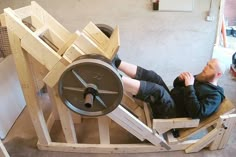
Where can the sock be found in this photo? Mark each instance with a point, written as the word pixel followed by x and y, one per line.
pixel 117 63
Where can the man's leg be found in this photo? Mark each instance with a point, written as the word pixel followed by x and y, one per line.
pixel 159 99
pixel 128 69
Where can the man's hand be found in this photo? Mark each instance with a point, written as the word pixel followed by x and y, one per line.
pixel 187 77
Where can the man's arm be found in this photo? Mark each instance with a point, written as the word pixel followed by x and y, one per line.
pixel 200 108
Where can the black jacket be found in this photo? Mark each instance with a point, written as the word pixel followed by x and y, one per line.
pixel 196 101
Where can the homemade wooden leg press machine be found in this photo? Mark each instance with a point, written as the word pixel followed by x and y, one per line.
pixel 90 86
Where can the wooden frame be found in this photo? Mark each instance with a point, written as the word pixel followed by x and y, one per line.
pixel 50 44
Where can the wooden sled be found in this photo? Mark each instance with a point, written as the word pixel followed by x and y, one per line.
pixel 34 33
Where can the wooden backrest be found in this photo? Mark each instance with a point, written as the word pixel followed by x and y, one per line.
pixel 226 107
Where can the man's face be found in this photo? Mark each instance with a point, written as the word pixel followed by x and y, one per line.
pixel 210 71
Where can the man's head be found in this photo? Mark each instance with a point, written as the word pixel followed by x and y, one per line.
pixel 212 71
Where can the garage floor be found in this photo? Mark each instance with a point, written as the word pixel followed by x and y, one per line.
pixel 166 42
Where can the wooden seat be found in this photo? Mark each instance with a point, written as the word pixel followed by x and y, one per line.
pixel 226 107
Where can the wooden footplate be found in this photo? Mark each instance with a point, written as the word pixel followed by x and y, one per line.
pixel 33 32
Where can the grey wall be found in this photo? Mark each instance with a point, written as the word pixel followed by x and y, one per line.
pixel 167 42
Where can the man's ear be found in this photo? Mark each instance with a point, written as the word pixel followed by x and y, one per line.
pixel 219 74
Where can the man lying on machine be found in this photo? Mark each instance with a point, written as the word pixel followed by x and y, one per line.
pixel 197 96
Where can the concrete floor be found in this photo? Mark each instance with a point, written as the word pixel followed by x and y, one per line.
pixel 166 42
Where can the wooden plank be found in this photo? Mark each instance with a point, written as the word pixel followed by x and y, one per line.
pixel 72 53
pixel 77 119
pixel 42 52
pixel 225 108
pixel 103 126
pixel 112 148
pixel 50 121
pixel 39 72
pixel 230 127
pixel 3 151
pixel 24 12
pixel 203 142
pixel 164 125
pixel 28 87
pixel 2 20
pixel 114 44
pixel 148 115
pixel 45 18
pixel 66 119
pixel 53 76
pixel 15 24
pixel 87 45
pixel 171 139
pixel 53 103
pixel 222 120
pixel 96 35
pixel 145 132
pixel 67 44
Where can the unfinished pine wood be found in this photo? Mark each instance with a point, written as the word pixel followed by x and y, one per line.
pixel 53 76
pixel 203 142
pixel 39 72
pixel 28 87
pixel 66 119
pixel 112 148
pixel 104 133
pixel 171 139
pixel 148 115
pixel 2 20
pixel 53 24
pixel 72 53
pixel 96 35
pixel 68 43
pixel 41 51
pixel 120 114
pixel 114 44
pixel 223 120
pixel 164 125
pixel 87 45
pixel 230 127
pixel 24 12
pixel 3 151
pixel 226 107
pixel 69 56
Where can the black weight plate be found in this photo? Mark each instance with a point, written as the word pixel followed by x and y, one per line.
pixel 96 72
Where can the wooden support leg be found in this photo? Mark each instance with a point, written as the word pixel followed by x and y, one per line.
pixel 66 119
pixel 136 127
pixel 28 87
pixel 103 125
pixel 203 142
pixel 228 131
pixel 223 120
pixel 3 151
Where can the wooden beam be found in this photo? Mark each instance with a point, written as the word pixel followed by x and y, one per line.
pixel 136 127
pixel 114 44
pixel 45 18
pixel 96 35
pixel 230 127
pixel 28 87
pixel 112 148
pixel 203 142
pixel 104 133
pixel 164 125
pixel 66 119
pixel 24 12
